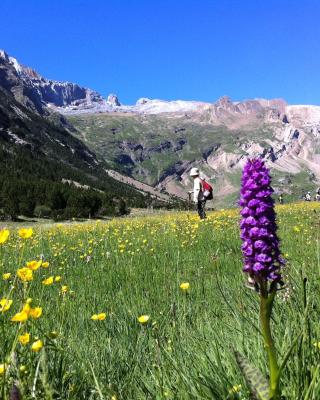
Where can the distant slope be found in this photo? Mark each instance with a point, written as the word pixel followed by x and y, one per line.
pixel 35 150
pixel 139 185
pixel 157 142
pixel 37 154
pixel 37 92
pixel 159 149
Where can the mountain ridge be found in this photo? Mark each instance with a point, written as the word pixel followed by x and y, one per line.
pixel 40 160
pixel 157 142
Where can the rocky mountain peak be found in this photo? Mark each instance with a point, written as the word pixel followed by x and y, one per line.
pixel 4 55
pixel 37 92
pixel 224 101
pixel 142 100
pixel 113 100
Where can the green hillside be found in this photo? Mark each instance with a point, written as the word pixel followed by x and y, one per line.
pixel 36 155
pixel 151 147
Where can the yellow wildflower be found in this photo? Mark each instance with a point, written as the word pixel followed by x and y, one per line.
pixel 34 265
pixel 4 234
pixel 99 317
pixel 317 345
pixel 235 389
pixel 6 276
pixel 24 339
pixel 185 286
pixel 25 233
pixel 45 264
pixel 35 313
pixel 64 289
pixel 25 274
pixel 26 308
pixel 21 316
pixel 3 368
pixel 57 278
pixel 48 281
pixel 143 319
pixel 37 346
pixel 5 304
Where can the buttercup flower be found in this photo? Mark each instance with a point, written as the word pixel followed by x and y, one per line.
pixel 34 265
pixel 99 317
pixel 6 276
pixel 143 319
pixel 3 368
pixel 21 316
pixel 235 389
pixel 24 339
pixel 185 286
pixel 37 346
pixel 260 248
pixel 45 264
pixel 5 304
pixel 25 274
pixel 25 233
pixel 35 313
pixel 48 281
pixel 26 308
pixel 4 235
pixel 64 289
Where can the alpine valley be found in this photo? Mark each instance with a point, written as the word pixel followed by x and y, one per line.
pixel 153 144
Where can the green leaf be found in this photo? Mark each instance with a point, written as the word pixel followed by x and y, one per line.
pixel 255 380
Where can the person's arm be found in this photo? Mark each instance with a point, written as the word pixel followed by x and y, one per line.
pixel 196 190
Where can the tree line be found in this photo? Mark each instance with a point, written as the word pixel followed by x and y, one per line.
pixel 32 186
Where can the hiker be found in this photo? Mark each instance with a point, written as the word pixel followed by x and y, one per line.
pixel 307 197
pixel 280 199
pixel 318 194
pixel 202 191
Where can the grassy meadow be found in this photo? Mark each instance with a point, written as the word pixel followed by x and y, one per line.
pixel 80 337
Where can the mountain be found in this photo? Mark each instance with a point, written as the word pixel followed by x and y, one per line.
pixel 157 142
pixel 34 91
pixel 41 160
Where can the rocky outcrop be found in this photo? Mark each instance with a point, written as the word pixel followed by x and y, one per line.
pixel 37 92
pixel 113 100
pixel 136 152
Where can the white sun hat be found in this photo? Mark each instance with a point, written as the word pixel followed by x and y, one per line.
pixel 194 172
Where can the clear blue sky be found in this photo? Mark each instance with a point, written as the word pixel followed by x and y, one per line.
pixel 171 49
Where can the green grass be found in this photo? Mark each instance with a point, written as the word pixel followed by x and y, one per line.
pixel 131 267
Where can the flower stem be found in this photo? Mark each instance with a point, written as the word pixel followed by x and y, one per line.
pixel 266 303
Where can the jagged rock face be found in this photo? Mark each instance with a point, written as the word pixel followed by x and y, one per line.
pixel 113 100
pixel 35 91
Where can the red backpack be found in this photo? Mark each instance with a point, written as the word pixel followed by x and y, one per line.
pixel 207 190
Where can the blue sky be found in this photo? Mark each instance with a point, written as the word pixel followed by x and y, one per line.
pixel 182 49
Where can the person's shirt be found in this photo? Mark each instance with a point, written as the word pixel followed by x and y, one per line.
pixel 197 190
